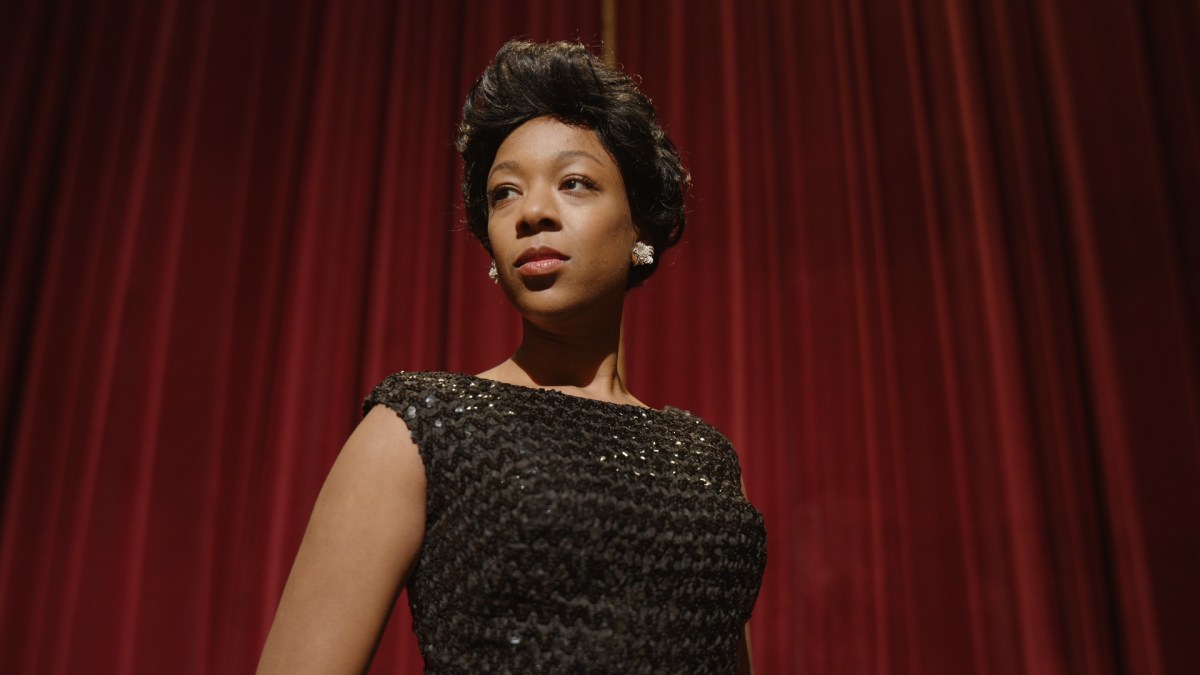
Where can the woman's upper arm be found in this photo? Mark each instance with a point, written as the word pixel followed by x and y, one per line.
pixel 745 663
pixel 362 539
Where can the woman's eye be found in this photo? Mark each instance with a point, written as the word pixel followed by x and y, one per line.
pixel 499 194
pixel 578 183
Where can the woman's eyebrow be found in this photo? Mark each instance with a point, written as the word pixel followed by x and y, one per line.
pixel 507 164
pixel 512 164
pixel 571 154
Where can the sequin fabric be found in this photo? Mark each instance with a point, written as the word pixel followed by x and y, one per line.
pixel 565 534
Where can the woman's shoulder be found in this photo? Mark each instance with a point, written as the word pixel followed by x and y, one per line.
pixel 405 388
pixel 698 428
pixel 416 394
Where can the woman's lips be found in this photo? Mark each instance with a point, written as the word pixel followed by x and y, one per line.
pixel 541 266
pixel 540 260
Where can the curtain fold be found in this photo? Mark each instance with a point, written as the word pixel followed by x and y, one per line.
pixel 939 286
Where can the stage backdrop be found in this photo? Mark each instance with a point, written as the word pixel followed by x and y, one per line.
pixel 940 286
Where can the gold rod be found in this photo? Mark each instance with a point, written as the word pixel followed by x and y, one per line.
pixel 608 34
pixel 608 30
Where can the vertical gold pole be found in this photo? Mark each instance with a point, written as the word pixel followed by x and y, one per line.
pixel 608 33
pixel 608 30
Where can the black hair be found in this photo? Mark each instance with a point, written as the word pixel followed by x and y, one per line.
pixel 568 82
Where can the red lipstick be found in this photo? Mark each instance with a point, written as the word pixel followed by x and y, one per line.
pixel 538 260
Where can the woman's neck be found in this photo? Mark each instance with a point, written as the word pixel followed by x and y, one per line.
pixel 585 364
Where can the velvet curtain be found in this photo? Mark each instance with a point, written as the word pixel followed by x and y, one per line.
pixel 939 287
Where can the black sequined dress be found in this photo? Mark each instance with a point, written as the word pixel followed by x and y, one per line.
pixel 569 535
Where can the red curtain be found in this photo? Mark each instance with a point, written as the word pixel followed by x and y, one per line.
pixel 940 287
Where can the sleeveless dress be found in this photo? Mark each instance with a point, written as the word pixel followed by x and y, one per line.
pixel 566 534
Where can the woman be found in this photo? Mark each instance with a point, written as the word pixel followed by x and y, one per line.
pixel 542 518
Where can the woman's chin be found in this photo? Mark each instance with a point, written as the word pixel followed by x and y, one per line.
pixel 549 308
pixel 536 283
pixel 553 297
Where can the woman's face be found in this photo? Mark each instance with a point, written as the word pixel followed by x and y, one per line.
pixel 559 221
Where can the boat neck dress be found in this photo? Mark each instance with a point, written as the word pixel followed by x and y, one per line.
pixel 566 534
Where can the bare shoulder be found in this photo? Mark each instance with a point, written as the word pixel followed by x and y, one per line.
pixel 378 468
pixel 362 541
pixel 381 441
pixel 376 486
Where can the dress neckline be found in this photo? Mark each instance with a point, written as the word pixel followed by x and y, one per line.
pixel 556 393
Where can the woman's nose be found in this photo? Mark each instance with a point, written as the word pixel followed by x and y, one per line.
pixel 539 211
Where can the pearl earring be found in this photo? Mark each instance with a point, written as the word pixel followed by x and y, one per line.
pixel 493 273
pixel 642 254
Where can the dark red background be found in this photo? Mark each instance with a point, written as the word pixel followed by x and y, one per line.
pixel 939 286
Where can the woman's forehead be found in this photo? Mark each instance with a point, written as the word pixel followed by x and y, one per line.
pixel 546 140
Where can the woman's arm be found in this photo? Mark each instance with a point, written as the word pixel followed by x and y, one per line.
pixel 362 539
pixel 745 665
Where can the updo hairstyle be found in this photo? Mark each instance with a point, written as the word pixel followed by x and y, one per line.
pixel 566 81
